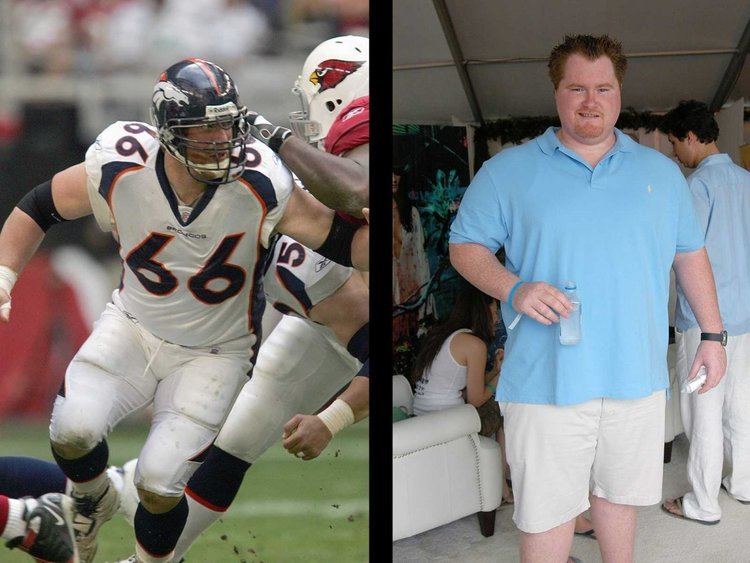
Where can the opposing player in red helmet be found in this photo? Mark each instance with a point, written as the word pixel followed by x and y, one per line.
pixel 334 91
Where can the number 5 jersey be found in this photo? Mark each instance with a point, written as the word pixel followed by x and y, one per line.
pixel 191 276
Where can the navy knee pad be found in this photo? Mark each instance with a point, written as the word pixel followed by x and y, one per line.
pixel 217 480
pixel 86 467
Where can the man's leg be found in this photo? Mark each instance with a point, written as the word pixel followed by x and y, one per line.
pixel 286 380
pixel 190 405
pixel 737 416
pixel 615 529
pixel 104 382
pixel 706 452
pixel 552 546
pixel 627 471
pixel 28 476
pixel 550 450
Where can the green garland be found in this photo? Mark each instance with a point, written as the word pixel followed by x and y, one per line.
pixel 517 129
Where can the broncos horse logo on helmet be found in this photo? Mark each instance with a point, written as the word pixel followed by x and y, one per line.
pixel 165 91
pixel 194 93
pixel 334 74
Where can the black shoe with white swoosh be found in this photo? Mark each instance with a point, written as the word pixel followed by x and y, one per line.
pixel 49 529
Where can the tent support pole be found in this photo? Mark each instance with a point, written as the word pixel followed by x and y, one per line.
pixel 458 58
pixel 732 73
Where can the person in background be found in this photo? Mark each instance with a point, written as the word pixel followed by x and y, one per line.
pixel 716 422
pixel 451 366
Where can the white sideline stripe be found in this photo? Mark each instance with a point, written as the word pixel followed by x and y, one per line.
pixel 301 508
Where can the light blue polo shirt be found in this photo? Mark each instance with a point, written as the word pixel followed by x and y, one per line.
pixel 721 199
pixel 614 230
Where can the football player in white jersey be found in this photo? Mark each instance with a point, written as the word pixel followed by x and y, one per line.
pixel 193 201
pixel 334 87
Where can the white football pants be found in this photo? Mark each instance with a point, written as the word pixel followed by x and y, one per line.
pixel 299 367
pixel 717 423
pixel 122 368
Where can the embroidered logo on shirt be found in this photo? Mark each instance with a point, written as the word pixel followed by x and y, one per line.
pixel 649 188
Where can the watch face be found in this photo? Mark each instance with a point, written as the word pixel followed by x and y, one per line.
pixel 723 337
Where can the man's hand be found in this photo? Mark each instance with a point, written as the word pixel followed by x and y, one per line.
pixel 305 436
pixel 4 306
pixel 714 357
pixel 541 301
pixel 266 132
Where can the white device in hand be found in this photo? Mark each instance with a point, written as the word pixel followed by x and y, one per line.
pixel 696 383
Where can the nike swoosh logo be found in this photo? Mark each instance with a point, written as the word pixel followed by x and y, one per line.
pixel 58 518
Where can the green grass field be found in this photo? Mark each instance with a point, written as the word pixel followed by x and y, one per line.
pixel 287 509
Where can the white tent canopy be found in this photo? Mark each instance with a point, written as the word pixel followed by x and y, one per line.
pixel 476 61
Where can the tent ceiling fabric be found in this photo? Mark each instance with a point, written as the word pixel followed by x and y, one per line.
pixel 427 88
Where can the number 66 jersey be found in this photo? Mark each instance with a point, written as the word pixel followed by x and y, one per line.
pixel 191 276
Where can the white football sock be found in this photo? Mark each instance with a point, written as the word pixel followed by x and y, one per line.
pixel 93 488
pixel 199 520
pixel 16 525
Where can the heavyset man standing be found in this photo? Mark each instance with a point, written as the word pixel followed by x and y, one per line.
pixel 585 203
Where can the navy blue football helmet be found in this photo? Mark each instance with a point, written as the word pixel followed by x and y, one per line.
pixel 198 93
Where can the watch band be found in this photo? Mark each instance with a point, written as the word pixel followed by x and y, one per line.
pixel 715 337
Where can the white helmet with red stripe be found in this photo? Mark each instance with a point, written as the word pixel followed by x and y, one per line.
pixel 335 73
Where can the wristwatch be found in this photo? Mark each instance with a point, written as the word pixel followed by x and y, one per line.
pixel 715 337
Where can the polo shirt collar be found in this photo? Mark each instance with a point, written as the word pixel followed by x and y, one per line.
pixel 549 142
pixel 720 158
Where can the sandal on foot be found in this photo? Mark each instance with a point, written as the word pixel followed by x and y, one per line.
pixel 588 533
pixel 678 503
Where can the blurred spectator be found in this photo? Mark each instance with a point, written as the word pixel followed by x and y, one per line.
pixel 347 17
pixel 118 34
pixel 224 31
pixel 44 35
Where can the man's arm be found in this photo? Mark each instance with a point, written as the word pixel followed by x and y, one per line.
pixel 340 182
pixel 479 266
pixel 693 273
pixel 22 234
pixel 310 222
pixel 306 436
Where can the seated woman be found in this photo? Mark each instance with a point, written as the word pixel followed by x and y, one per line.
pixel 450 367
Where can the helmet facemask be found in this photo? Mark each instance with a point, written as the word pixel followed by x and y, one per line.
pixel 220 161
pixel 302 126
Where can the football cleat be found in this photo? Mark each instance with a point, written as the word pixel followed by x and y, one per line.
pixel 123 480
pixel 49 531
pixel 90 515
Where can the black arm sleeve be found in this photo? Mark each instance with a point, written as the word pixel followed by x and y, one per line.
pixel 38 205
pixel 359 347
pixel 338 243
pixel 365 369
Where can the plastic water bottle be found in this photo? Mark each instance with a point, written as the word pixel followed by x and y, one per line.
pixel 570 328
